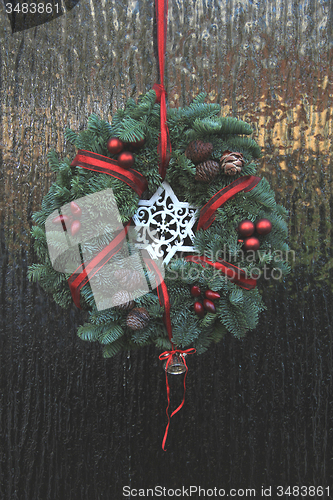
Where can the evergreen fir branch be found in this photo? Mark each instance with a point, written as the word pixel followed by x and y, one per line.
pixel 39 217
pixel 202 343
pixel 70 136
pixel 218 283
pixel 249 169
pixel 186 327
pixel 188 115
pixel 281 210
pixel 233 126
pixel 218 332
pixel 244 145
pixel 105 316
pixel 63 298
pixel 148 300
pixel 208 319
pixel 265 257
pixel 263 194
pixel 236 297
pixel 141 337
pixel 222 126
pixel 84 140
pixel 89 332
pixel 144 107
pixel 36 272
pixel 206 126
pixel 87 296
pixel 233 318
pixel 132 130
pixel 110 333
pixel 94 124
pixel 53 160
pixel 200 98
pixel 114 348
pixel 163 343
pixel 105 131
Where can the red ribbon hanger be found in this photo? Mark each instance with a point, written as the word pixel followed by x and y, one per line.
pixel 164 144
pixel 102 164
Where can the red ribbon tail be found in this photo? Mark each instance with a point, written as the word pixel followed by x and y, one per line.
pixel 182 403
pixel 167 408
pixel 168 355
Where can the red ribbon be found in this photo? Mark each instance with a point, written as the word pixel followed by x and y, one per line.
pixel 164 144
pixel 105 165
pixel 168 356
pixel 163 295
pixel 234 273
pixel 84 272
pixel 207 213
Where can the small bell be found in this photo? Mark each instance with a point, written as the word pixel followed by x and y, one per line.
pixel 176 366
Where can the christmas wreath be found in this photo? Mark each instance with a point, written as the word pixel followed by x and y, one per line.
pixel 164 256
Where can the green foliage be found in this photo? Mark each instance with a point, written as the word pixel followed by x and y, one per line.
pixel 112 349
pixel 237 310
pixel 89 332
pixel 221 126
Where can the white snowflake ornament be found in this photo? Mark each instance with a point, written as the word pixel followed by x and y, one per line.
pixel 164 224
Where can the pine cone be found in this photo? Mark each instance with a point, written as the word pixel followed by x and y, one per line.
pixel 206 171
pixel 198 151
pixel 138 318
pixel 122 300
pixel 231 163
pixel 128 279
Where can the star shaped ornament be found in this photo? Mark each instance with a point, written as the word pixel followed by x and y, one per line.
pixel 164 224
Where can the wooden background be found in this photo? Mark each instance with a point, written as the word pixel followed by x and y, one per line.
pixel 258 411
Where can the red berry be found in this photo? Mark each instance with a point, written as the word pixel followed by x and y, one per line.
pixel 209 306
pixel 195 291
pixel 114 145
pixel 251 243
pixel 126 159
pixel 75 209
pixel 199 309
pixel 75 227
pixel 209 294
pixel 60 219
pixel 246 228
pixel 263 226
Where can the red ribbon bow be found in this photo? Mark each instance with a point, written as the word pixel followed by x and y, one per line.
pixel 168 356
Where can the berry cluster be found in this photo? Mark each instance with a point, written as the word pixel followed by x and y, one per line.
pixel 123 149
pixel 72 220
pixel 246 230
pixel 207 303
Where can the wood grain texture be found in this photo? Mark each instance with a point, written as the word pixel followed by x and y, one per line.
pixel 258 411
